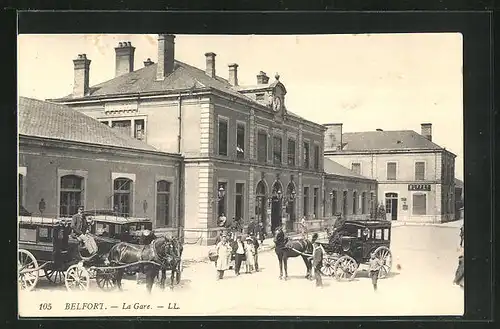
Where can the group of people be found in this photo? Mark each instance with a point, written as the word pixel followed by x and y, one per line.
pixel 80 230
pixel 246 251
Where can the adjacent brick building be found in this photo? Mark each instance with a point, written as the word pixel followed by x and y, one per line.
pixel 415 176
pixel 67 159
pixel 244 153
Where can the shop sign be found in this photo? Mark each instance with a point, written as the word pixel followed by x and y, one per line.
pixel 419 187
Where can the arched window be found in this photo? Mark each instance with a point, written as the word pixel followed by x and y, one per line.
pixel 163 203
pixel 20 193
pixel 122 196
pixel 71 195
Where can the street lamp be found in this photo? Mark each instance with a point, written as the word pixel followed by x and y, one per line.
pixel 221 193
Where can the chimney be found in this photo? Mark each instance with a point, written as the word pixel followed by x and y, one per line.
pixel 124 58
pixel 82 70
pixel 426 130
pixel 210 68
pixel 233 74
pixel 148 62
pixel 333 137
pixel 378 129
pixel 262 78
pixel 166 55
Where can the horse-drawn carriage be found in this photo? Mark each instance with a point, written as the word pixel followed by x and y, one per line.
pixel 351 246
pixel 47 245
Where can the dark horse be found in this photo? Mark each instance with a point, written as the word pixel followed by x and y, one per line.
pixel 161 254
pixel 286 248
pixel 178 248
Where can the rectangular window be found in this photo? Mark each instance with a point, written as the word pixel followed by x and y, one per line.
pixel 316 157
pixel 139 131
pixel 122 196
pixel 420 170
pixel 222 137
pixel 391 170
pixel 363 203
pixel 306 201
pixel 221 199
pixel 306 155
pixel 315 202
pixel 356 167
pixel 262 146
pixel 344 203
pixel 240 141
pixel 354 203
pixel 122 126
pixel 71 195
pixel 419 204
pixel 291 152
pixel 277 150
pixel 334 202
pixel 163 203
pixel 239 199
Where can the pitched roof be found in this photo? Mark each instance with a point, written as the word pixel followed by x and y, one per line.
pixel 386 140
pixel 184 77
pixel 334 168
pixel 44 119
pixel 144 80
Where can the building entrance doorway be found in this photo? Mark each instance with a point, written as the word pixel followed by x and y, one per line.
pixel 391 206
pixel 261 204
pixel 276 203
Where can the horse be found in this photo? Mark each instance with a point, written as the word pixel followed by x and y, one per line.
pixel 178 248
pixel 286 248
pixel 161 252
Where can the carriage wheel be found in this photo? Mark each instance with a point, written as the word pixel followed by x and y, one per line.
pixel 106 279
pixel 345 268
pixel 77 278
pixel 27 270
pixel 54 276
pixel 327 266
pixel 385 256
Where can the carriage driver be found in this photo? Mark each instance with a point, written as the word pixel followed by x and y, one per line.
pixel 80 228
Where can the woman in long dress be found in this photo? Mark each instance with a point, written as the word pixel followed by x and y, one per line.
pixel 223 257
pixel 250 255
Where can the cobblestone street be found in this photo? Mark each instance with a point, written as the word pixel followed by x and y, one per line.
pixel 427 256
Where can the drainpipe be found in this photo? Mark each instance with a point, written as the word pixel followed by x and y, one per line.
pixel 180 202
pixel 180 125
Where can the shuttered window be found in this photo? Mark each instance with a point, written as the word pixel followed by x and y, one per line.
pixel 222 137
pixel 277 150
pixel 391 170
pixel 419 204
pixel 262 146
pixel 291 152
pixel 419 170
pixel 306 155
pixel 316 157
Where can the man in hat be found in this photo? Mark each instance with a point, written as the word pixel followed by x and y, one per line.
pixel 224 251
pixel 317 262
pixel 80 230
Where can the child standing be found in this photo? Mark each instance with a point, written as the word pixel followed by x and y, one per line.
pixel 375 266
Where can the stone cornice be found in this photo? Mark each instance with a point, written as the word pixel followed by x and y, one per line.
pixel 371 152
pixel 95 148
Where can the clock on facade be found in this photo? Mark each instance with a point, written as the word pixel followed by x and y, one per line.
pixel 277 104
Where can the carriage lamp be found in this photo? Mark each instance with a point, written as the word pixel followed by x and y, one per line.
pixel 41 206
pixel 279 194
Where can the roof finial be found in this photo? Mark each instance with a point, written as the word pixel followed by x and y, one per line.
pixel 277 76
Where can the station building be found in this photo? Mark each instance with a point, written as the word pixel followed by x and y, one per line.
pixel 67 159
pixel 416 177
pixel 245 155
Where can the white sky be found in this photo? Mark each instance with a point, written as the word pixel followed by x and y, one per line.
pixel 387 81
